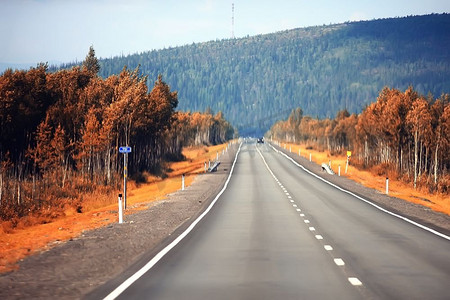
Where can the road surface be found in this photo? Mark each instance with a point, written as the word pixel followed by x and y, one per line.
pixel 277 232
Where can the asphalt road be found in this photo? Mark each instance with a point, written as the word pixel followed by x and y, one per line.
pixel 278 232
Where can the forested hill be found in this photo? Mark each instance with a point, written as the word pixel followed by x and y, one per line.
pixel 257 80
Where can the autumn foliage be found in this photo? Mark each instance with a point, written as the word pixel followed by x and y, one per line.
pixel 402 134
pixel 60 133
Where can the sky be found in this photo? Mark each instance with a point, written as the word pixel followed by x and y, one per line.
pixel 56 31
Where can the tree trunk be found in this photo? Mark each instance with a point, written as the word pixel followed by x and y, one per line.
pixel 420 160
pixel 108 166
pixel 436 161
pixel 1 187
pixel 66 165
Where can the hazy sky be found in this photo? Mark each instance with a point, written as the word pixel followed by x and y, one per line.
pixel 35 31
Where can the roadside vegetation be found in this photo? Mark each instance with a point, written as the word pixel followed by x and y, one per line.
pixel 31 235
pixel 60 134
pixel 403 136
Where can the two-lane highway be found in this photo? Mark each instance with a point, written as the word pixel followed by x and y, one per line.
pixel 278 232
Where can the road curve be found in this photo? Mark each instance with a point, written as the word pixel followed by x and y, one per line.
pixel 278 232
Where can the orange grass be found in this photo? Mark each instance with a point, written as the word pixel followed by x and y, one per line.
pixel 437 202
pixel 100 210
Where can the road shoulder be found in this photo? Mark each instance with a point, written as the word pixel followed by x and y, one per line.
pixel 78 267
pixel 415 212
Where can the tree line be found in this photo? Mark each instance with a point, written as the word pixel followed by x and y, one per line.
pixel 60 133
pixel 404 134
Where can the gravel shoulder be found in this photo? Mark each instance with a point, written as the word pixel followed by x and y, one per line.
pixel 76 269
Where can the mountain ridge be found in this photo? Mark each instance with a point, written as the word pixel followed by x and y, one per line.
pixel 322 69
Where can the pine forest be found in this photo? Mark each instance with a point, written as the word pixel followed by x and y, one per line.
pixel 258 80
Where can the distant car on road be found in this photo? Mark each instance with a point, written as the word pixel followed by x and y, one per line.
pixel 260 141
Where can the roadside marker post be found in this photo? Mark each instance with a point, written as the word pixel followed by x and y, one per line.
pixel 387 186
pixel 339 170
pixel 310 156
pixel 120 209
pixel 182 182
pixel 125 150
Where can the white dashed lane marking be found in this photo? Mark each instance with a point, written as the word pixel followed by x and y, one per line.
pixel 354 281
pixel 338 261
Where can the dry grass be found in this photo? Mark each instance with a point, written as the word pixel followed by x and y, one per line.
pixel 99 209
pixel 439 203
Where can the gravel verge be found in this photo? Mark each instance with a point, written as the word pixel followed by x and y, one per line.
pixel 74 269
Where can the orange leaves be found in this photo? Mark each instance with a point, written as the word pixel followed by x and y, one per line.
pixel 401 130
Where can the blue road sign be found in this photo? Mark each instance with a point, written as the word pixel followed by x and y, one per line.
pixel 124 149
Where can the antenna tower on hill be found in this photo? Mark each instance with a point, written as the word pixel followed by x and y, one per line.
pixel 232 20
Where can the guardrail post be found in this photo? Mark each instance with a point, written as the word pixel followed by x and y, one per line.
pixel 120 209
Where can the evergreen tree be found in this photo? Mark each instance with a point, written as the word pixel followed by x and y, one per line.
pixel 91 63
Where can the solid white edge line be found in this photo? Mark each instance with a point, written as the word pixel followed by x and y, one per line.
pixel 365 200
pixel 122 287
